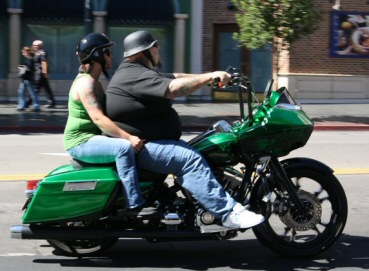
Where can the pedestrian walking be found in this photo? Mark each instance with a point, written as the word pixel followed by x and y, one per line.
pixel 26 73
pixel 41 77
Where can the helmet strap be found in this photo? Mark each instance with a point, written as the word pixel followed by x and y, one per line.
pixel 102 62
pixel 149 57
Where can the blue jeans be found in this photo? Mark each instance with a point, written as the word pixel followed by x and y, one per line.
pixel 191 169
pixel 31 90
pixel 101 149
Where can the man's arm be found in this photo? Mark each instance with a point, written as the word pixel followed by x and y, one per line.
pixel 44 68
pixel 183 75
pixel 185 84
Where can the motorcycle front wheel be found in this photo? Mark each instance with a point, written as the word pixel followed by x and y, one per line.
pixel 302 233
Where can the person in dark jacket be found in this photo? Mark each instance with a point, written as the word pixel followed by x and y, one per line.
pixel 26 73
pixel 42 72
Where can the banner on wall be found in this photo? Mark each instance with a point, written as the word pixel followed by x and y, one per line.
pixel 349 34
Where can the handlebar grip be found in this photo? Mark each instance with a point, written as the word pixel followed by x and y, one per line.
pixel 216 80
pixel 217 83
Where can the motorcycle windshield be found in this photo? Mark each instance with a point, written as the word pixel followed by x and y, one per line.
pixel 283 97
pixel 286 98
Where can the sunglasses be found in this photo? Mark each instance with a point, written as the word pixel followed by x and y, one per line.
pixel 107 52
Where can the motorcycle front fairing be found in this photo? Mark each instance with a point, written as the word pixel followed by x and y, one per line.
pixel 279 126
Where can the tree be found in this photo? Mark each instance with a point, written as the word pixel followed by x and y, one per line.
pixel 280 22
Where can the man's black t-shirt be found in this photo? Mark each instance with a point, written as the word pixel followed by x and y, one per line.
pixel 135 102
pixel 40 56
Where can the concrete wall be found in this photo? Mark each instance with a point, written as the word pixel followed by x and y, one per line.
pixel 310 86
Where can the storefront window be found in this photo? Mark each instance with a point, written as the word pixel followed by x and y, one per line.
pixel 261 67
pixel 60 41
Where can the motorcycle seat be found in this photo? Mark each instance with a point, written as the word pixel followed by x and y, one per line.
pixel 78 164
pixel 142 174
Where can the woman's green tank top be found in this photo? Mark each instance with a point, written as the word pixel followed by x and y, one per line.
pixel 79 127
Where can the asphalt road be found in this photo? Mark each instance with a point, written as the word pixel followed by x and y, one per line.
pixel 26 156
pixel 31 156
pixel 242 253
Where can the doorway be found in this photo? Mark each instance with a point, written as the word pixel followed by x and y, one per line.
pixel 255 64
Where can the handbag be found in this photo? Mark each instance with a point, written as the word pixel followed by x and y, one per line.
pixel 22 70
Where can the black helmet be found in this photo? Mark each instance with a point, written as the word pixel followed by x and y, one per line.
pixel 137 42
pixel 90 48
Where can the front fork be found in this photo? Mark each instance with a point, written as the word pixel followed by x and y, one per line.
pixel 271 165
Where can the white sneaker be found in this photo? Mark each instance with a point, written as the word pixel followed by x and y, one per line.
pixel 242 218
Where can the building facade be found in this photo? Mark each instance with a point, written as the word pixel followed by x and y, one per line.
pixel 61 24
pixel 314 68
pixel 195 36
pixel 317 68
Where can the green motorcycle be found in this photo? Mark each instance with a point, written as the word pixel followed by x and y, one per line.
pixel 79 208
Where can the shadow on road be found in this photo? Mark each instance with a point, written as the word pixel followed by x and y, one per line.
pixel 349 253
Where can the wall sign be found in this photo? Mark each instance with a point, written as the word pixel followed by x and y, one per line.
pixel 349 34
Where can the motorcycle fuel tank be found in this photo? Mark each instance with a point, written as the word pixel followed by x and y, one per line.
pixel 217 147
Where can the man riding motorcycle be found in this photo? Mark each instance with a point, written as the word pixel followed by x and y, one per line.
pixel 139 101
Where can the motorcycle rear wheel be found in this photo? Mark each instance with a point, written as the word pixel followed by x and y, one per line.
pixel 297 235
pixel 82 248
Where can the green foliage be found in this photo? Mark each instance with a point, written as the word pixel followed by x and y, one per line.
pixel 261 21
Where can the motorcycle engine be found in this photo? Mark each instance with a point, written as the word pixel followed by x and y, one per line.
pixel 180 213
pixel 177 213
pixel 206 217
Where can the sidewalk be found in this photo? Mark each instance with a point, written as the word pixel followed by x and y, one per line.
pixel 195 116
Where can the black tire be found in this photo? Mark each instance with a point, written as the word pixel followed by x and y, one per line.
pixel 300 236
pixel 82 248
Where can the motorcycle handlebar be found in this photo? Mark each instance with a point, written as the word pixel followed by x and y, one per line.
pixel 216 83
pixel 236 78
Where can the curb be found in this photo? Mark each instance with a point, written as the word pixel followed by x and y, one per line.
pixel 341 127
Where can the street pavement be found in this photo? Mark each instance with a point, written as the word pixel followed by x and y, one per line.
pixel 195 116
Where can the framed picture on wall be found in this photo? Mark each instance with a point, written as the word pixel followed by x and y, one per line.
pixel 349 34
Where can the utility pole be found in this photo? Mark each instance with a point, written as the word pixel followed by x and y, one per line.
pixel 87 17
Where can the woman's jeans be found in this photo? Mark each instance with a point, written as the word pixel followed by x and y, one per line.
pixel 177 158
pixel 102 149
pixel 31 90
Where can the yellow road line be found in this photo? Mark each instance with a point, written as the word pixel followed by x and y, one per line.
pixel 26 177
pixel 343 171
pixel 21 177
